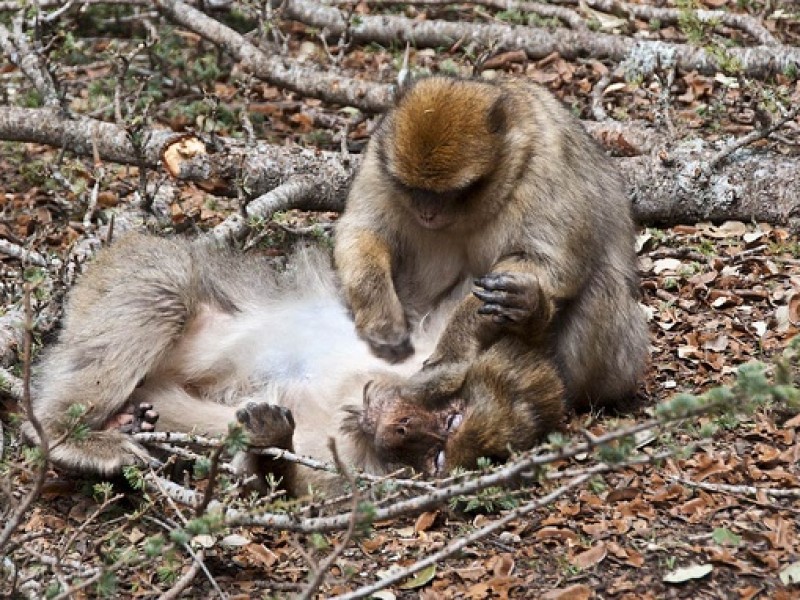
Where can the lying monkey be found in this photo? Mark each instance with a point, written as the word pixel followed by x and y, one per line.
pixel 197 336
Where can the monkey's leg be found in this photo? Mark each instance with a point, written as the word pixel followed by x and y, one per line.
pixel 513 397
pixel 364 263
pixel 266 425
pixel 122 319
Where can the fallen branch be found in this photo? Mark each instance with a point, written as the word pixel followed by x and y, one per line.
pixel 664 186
pixel 755 61
pixel 744 490
pixel 25 256
pixel 743 22
pixel 462 542
pixel 310 82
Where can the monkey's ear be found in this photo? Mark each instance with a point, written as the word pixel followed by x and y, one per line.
pixel 497 117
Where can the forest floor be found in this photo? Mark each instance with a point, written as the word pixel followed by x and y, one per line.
pixel 693 526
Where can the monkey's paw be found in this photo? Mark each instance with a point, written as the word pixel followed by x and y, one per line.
pixel 392 346
pixel 142 418
pixel 267 424
pixel 509 297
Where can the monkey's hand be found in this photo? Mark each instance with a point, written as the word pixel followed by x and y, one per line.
pixel 267 425
pixel 513 298
pixel 386 331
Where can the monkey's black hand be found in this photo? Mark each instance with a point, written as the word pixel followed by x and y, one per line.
pixel 143 419
pixel 509 297
pixel 267 424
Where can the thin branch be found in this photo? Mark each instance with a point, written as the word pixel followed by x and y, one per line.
pixel 743 22
pixel 26 256
pixel 15 518
pixel 322 568
pixel 310 82
pixel 186 579
pixel 19 52
pixel 751 137
pixel 208 493
pixel 462 542
pixel 744 490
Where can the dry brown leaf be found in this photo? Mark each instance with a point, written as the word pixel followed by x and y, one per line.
pixel 578 591
pixel 591 557
pixel 425 521
pixel 554 532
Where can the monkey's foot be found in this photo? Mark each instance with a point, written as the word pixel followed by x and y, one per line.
pixel 267 424
pixel 509 297
pixel 137 418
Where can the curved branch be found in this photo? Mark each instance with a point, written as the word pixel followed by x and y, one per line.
pixel 755 61
pixel 310 82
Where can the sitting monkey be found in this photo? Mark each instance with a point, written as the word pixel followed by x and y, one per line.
pixel 494 181
pixel 198 336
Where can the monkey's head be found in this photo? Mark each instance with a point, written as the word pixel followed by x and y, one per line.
pixel 440 147
pixel 401 432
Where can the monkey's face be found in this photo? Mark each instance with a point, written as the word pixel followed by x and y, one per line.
pixel 432 210
pixel 403 432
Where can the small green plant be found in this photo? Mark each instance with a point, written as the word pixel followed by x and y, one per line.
pixel 696 30
pixel 107 585
pixel 670 283
pixel 597 485
pixel 727 63
pixel 515 17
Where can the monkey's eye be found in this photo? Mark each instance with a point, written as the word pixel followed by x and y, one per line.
pixel 439 462
pixel 454 422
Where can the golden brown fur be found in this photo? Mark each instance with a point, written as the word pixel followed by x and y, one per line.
pixel 468 179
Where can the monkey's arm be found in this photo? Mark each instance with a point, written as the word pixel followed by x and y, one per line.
pixel 364 262
pixel 508 299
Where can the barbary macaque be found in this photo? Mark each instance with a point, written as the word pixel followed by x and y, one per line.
pixel 494 183
pixel 194 337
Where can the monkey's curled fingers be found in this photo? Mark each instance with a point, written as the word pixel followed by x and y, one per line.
pixel 141 418
pixel 267 424
pixel 509 297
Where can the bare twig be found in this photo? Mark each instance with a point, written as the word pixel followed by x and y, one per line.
pixel 27 256
pixel 750 138
pixel 322 568
pixel 16 515
pixel 18 50
pixel 743 22
pixel 213 470
pixel 744 490
pixel 463 542
pixel 186 579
